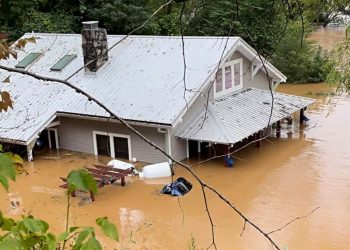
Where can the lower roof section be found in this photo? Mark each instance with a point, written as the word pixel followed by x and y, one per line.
pixel 232 118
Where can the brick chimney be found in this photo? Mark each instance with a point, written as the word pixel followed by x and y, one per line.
pixel 94 43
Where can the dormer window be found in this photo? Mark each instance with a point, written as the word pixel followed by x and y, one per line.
pixel 63 62
pixel 229 78
pixel 26 61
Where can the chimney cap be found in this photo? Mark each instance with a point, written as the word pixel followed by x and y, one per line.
pixel 90 25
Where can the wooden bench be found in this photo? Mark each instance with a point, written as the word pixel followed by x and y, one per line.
pixel 103 175
pixel 109 175
pixel 111 169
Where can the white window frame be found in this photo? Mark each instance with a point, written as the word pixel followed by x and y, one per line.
pixel 111 142
pixel 225 91
pixel 56 137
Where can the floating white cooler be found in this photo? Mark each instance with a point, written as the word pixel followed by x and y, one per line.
pixel 158 170
pixel 120 165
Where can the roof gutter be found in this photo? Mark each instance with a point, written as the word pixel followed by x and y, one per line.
pixel 105 119
pixel 13 141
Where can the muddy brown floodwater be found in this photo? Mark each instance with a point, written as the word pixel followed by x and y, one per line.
pixel 327 37
pixel 283 179
pixel 272 185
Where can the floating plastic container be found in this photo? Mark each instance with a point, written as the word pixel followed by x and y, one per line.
pixel 158 170
pixel 120 165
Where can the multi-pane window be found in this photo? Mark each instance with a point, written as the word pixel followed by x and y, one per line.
pixel 229 78
pixel 237 74
pixel 219 81
pixel 113 145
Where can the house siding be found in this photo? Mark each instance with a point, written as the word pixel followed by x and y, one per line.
pixel 77 135
pixel 259 81
pixel 178 148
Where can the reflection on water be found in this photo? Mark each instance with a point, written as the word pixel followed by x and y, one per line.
pixel 272 185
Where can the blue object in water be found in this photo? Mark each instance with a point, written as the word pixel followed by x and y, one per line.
pixel 229 161
pixel 39 143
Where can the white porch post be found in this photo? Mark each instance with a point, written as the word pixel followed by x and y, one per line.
pixel 30 147
pixel 168 144
pixel 187 149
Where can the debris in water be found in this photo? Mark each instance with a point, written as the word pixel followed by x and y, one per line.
pixel 177 188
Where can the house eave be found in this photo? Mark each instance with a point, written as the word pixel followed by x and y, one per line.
pixel 105 119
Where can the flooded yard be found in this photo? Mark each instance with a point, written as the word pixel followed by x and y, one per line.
pixel 284 179
pixel 327 37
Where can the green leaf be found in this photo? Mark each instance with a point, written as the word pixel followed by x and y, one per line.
pixel 83 235
pixel 81 180
pixel 7 224
pixel 1 148
pixel 7 167
pixel 50 242
pixel 92 244
pixel 72 229
pixel 108 228
pixel 4 182
pixel 17 159
pixel 10 243
pixel 36 226
pixel 63 236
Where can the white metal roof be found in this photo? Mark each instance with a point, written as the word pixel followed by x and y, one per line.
pixel 142 81
pixel 232 118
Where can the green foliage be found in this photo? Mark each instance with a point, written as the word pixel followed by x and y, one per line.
pixel 33 233
pixel 299 60
pixel 108 228
pixel 325 11
pixel 262 19
pixel 58 22
pixel 118 16
pixel 338 65
pixel 28 233
pixel 7 168
pixel 81 180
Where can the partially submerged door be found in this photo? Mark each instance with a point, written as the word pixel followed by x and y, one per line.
pixel 103 147
pixel 121 147
pixel 53 138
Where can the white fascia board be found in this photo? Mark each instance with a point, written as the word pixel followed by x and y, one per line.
pixel 263 60
pixel 106 119
pixel 42 127
pixel 208 81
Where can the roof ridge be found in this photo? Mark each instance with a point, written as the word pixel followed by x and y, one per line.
pixel 137 36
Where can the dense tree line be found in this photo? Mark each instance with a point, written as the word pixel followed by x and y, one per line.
pixel 276 29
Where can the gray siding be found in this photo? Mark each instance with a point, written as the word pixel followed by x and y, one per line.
pixel 259 81
pixel 77 135
pixel 178 148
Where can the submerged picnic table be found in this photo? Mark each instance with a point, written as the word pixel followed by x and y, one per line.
pixel 103 175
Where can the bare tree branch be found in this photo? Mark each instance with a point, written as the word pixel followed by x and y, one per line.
pixel 213 244
pixel 243 229
pixel 141 136
pixel 290 222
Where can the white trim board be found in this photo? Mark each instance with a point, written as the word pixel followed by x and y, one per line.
pixel 56 137
pixel 111 143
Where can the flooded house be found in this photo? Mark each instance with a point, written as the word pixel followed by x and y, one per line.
pixel 221 95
